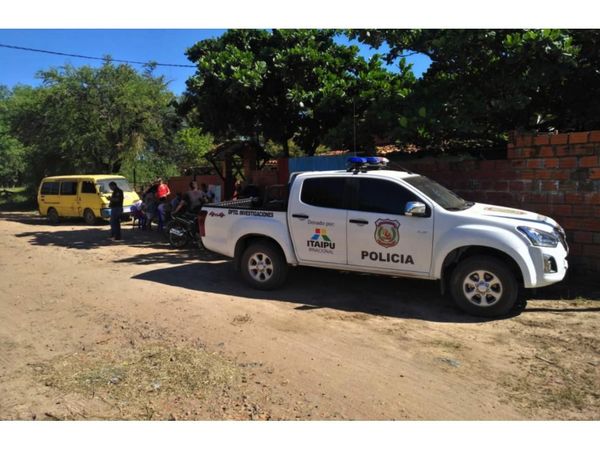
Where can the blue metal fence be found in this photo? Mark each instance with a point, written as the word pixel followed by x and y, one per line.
pixel 309 163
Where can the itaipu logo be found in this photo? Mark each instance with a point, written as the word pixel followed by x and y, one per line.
pixel 320 233
pixel 320 242
pixel 386 232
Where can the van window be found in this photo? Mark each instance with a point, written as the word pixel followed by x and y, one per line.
pixel 324 192
pixel 87 187
pixel 68 188
pixel 381 196
pixel 50 188
pixel 121 183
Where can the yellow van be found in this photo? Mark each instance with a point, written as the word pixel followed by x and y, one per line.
pixel 84 196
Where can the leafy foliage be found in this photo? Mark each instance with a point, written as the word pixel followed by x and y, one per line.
pixel 12 152
pixel 483 83
pixel 279 86
pixel 191 146
pixel 84 120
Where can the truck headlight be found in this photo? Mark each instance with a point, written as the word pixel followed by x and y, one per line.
pixel 539 238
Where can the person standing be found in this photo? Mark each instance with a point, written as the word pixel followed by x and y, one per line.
pixel 162 192
pixel 116 210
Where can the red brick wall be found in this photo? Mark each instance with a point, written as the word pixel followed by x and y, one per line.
pixel 556 175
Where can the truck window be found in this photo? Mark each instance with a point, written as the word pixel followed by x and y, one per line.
pixel 50 188
pixel 438 193
pixel 324 192
pixel 87 187
pixel 381 196
pixel 68 188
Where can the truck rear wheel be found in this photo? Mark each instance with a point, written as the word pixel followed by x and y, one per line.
pixel 484 286
pixel 263 266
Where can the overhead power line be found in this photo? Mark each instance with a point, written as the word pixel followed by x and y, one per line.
pixel 15 47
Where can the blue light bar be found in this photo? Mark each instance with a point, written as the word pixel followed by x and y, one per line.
pixel 357 160
pixel 372 160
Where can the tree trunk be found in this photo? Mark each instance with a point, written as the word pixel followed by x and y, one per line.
pixel 286 149
pixel 312 149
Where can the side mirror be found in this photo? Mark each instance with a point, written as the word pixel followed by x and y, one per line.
pixel 416 209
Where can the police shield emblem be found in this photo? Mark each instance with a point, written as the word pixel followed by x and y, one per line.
pixel 386 232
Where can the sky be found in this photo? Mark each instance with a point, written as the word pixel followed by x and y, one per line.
pixel 159 45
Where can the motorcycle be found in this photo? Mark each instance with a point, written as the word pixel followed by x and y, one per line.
pixel 183 229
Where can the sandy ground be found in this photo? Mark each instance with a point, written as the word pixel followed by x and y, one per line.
pixel 92 329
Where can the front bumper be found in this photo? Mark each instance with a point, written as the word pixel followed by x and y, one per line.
pixel 550 265
pixel 105 212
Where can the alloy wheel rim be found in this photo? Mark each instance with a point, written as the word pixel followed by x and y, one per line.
pixel 260 267
pixel 482 288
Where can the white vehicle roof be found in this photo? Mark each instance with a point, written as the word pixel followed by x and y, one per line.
pixel 398 174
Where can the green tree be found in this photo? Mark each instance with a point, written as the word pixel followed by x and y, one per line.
pixel 277 86
pixel 12 152
pixel 92 119
pixel 483 83
pixel 191 146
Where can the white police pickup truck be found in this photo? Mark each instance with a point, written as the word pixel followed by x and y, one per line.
pixel 370 219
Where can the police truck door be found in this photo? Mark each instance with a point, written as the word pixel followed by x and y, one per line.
pixel 380 235
pixel 317 220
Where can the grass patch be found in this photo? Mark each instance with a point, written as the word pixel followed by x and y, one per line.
pixel 241 319
pixel 137 380
pixel 16 199
pixel 557 381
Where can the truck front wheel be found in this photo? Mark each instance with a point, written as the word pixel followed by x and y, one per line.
pixel 263 266
pixel 484 286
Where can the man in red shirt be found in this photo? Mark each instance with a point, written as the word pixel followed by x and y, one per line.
pixel 162 191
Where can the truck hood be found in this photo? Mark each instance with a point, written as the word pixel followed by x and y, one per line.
pixel 511 214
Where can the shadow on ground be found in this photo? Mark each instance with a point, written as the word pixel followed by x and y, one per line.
pixel 31 217
pixel 312 288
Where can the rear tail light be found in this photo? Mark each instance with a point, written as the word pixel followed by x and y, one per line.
pixel 201 223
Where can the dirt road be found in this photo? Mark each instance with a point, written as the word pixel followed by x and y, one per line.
pixel 93 329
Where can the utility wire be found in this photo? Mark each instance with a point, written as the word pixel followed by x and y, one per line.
pixel 93 57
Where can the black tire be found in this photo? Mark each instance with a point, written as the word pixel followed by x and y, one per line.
pixel 52 216
pixel 89 217
pixel 178 241
pixel 484 286
pixel 270 276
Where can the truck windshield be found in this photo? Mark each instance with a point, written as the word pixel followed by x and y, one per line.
pixel 438 193
pixel 121 182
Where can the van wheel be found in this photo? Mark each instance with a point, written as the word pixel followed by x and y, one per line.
pixel 52 216
pixel 484 286
pixel 264 266
pixel 89 217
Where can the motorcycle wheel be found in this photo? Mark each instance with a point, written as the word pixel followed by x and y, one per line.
pixel 178 241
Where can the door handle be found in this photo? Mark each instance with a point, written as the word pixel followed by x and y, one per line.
pixel 359 221
pixel 300 216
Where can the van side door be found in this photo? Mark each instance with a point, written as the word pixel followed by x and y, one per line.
pixel 67 206
pixel 49 196
pixel 380 235
pixel 88 198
